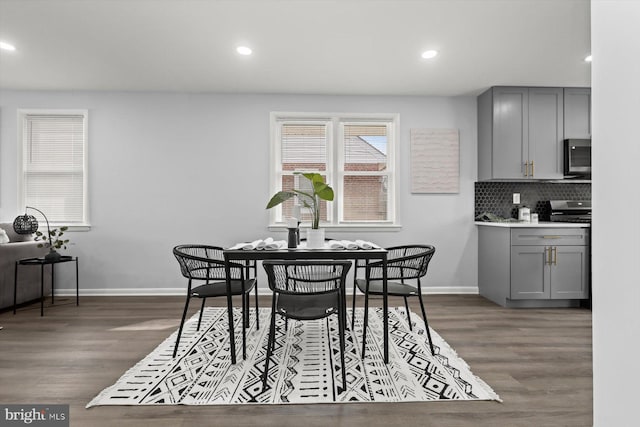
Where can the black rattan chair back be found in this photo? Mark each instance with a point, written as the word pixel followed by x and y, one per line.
pixel 306 277
pixel 405 265
pixel 203 262
pixel 404 262
pixel 206 263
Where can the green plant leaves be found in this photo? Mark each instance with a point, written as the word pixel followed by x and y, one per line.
pixel 320 188
pixel 321 191
pixel 280 197
pixel 53 238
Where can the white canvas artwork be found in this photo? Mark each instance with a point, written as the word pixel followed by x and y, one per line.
pixel 435 161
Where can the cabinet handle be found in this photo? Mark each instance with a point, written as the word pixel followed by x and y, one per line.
pixel 533 171
pixel 551 237
pixel 526 168
pixel 555 255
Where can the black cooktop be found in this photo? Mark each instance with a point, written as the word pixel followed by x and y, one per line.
pixel 570 210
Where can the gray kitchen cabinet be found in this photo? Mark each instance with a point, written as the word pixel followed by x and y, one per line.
pixel 520 133
pixel 549 272
pixel 533 267
pixel 577 112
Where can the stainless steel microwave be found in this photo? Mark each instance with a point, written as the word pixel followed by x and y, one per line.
pixel 577 158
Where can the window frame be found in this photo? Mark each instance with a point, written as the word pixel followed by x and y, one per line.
pixel 336 123
pixel 85 224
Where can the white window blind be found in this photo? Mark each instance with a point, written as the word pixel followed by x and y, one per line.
pixel 355 154
pixel 303 148
pixel 53 175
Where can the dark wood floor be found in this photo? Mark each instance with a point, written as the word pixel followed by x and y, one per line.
pixel 538 360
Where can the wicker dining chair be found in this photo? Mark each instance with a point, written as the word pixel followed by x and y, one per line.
pixel 406 265
pixel 307 290
pixel 206 263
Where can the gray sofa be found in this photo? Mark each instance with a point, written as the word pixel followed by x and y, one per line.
pixel 19 247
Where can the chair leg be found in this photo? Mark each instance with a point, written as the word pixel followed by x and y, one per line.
pixel 343 308
pixel 232 335
pixel 245 321
pixel 365 321
pixel 201 311
pixel 245 308
pixel 255 276
pixel 406 306
pixel 257 310
pixel 426 323
pixel 270 343
pixel 353 304
pixel 184 315
pixel 341 329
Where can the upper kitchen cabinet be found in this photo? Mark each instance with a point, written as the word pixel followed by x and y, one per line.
pixel 520 133
pixel 577 112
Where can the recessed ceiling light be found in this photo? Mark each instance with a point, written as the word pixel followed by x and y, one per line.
pixel 428 54
pixel 588 58
pixel 244 50
pixel 7 46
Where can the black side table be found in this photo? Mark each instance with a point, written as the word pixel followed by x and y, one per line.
pixel 42 262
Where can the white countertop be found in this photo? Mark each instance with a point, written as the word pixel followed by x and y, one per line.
pixel 541 224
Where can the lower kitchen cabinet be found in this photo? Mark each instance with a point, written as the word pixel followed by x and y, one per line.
pixel 549 272
pixel 534 267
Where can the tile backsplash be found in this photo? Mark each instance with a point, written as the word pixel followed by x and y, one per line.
pixel 497 197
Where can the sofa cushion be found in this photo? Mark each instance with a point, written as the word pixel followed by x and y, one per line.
pixel 13 236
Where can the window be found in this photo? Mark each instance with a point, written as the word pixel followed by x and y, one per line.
pixel 356 154
pixel 52 164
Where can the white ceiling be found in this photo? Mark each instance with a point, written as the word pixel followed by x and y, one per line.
pixel 368 47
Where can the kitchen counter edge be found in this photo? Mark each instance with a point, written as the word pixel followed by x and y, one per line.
pixel 541 224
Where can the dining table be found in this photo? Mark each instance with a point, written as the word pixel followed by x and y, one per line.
pixel 301 252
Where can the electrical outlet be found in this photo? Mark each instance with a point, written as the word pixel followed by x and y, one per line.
pixel 516 198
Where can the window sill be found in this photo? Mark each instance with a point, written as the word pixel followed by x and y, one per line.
pixel 345 227
pixel 76 227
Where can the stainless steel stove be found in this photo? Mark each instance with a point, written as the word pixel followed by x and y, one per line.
pixel 570 211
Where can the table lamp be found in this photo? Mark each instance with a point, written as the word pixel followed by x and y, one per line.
pixel 28 224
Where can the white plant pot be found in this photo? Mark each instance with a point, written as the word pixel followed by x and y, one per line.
pixel 315 238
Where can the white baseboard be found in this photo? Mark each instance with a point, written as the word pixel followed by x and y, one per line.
pixel 473 290
pixel 120 292
pixel 181 291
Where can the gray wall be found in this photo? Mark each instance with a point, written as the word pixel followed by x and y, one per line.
pixel 616 229
pixel 179 168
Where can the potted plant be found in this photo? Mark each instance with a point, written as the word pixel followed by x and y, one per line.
pixel 53 241
pixel 319 191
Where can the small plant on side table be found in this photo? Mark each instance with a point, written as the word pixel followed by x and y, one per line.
pixel 53 241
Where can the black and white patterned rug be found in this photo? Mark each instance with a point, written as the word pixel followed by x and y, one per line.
pixel 305 367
